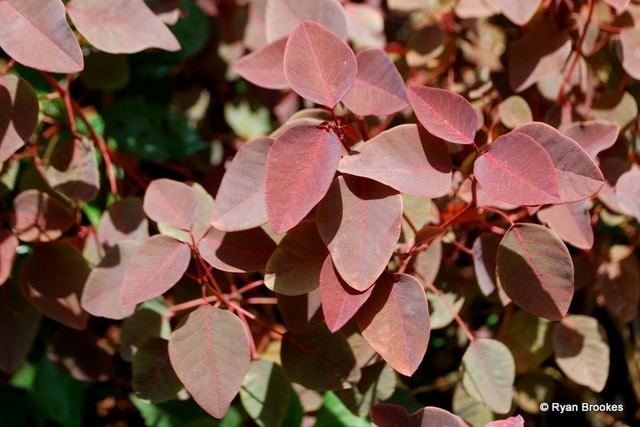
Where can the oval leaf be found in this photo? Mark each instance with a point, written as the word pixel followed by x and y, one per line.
pixel 485 250
pixel 406 158
pixel 395 322
pixel 387 415
pixel 237 252
pixel 36 34
pixel 124 220
pixel 630 48
pixel 628 192
pixel 209 351
pixel 593 136
pixel 73 170
pixel 8 245
pixel 536 270
pixel 153 376
pixel 120 26
pixel 264 67
pixel 514 111
pixel 265 393
pixel 301 313
pixel 378 89
pixel 281 16
pixel 318 65
pixel 39 217
pixel 171 202
pixel 518 11
pixel 444 114
pixel 619 280
pixel 571 222
pixel 19 104
pixel 155 266
pixel 300 168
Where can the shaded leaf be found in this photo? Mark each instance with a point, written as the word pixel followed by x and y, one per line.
pixel 39 217
pixel 529 339
pixel 619 281
pixel 485 250
pixel 266 393
pixel 154 267
pixel 395 321
pixel 19 324
pixel 19 104
pixel 616 107
pixel 73 170
pixel 153 377
pixel 58 397
pixel 489 373
pixel 405 157
pixel 571 222
pixel 8 245
pixel 593 136
pixel 120 26
pixel 514 111
pixel 378 89
pixel 318 65
pixel 582 351
pixel 532 389
pixel 536 270
pixel 388 415
pixel 171 202
pixel 77 354
pixel 471 410
pixel 378 382
pixel 36 34
pixel 124 220
pixel 52 279
pixel 237 251
pixel 136 329
pixel 294 268
pixel 209 350
pixel 628 192
pixel 359 221
pixel 301 313
pixel 300 167
pixel 444 114
pixel 240 202
pixel 281 16
pixel 518 11
pixel 264 67
pixel 427 263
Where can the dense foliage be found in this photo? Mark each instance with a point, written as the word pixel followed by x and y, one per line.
pixel 319 212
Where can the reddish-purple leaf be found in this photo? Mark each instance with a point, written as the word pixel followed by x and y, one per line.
pixel 485 250
pixel 366 25
pixel 518 11
pixel 378 89
pixel 388 415
pixel 36 34
pixel 73 169
pixel 52 279
pixel 255 31
pixel 318 65
pixel 171 202
pixel 301 313
pixel 155 266
pixel 340 302
pixel 77 354
pixel 124 220
pixel 571 222
pixel 300 167
pixel 593 136
pixel 395 322
pixel 516 421
pixel 628 192
pixel 630 49
pixel 19 105
pixel 120 26
pixel 101 295
pixel 19 323
pixel 405 157
pixel 237 251
pixel 240 203
pixel 264 67
pixel 142 325
pixel 153 377
pixel 39 218
pixel 536 270
pixel 618 5
pixel 359 221
pixel 8 245
pixel 281 16
pixel 444 114
pixel 475 9
pixel 619 280
pixel 210 353
pixel 294 268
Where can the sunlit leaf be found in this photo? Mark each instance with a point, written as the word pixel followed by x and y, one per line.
pixel 571 222
pixel 281 16
pixel 39 217
pixel 628 192
pixel 485 250
pixel 265 393
pixel 264 67
pixel 516 421
pixel 19 104
pixel 153 376
pixel 171 202
pixel 514 111
pixel 518 11
pixel 366 25
pixel 619 5
pixel 630 50
pixel 470 409
pixel 593 136
pixel 19 324
pixel 388 415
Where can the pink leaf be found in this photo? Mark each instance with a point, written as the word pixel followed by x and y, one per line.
pixel 19 106
pixel 155 266
pixel 73 170
pixel 536 270
pixel 618 5
pixel 39 217
pixel 359 221
pixel 395 322
pixel 571 222
pixel 240 203
pixel 120 26
pixel 593 136
pixel 238 251
pixel 36 34
pixel 366 25
pixel 518 11
pixel 485 250
pixel 388 415
pixel 124 220
pixel 281 16
pixel 444 114
pixel 264 67
pixel 8 245
pixel 405 157
pixel 171 202
pixel 318 65
pixel 300 168
pixel 619 280
pixel 378 89
pixel 516 421
pixel 209 350
pixel 628 192
pixel 340 302
pixel 101 295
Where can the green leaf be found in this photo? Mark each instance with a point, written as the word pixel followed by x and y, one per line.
pixel 60 397
pixel 265 393
pixel 529 339
pixel 333 413
pixel 14 406
pixel 153 376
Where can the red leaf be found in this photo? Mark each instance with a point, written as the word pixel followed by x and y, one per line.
pixel 19 106
pixel 240 203
pixel 359 221
pixel 19 323
pixel 628 192
pixel 618 5
pixel 619 280
pixel 444 114
pixel 238 251
pixel 153 377
pixel 52 279
pixel 294 268
pixel 39 217
pixel 485 250
pixel 318 65
pixel 516 421
pixel 518 11
pixel 300 168
pixel 630 49
pixel 405 157
pixel 36 34
pixel 301 313
pixel 210 352
pixel 155 266
pixel 340 302
pixel 8 245
pixel 281 16
pixel 124 220
pixel 378 89
pixel 101 295
pixel 73 170
pixel 120 26
pixel 593 136
pixel 171 202
pixel 388 415
pixel 264 67
pixel 571 222
pixel 395 322
pixel 536 270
